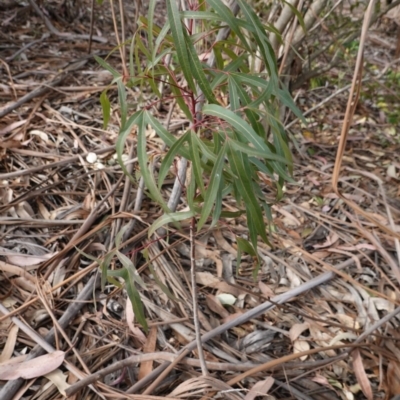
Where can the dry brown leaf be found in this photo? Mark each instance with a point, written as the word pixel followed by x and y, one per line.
pixel 22 260
pixel 215 305
pixel 260 388
pixel 393 378
pixel 58 378
pixel 8 349
pixel 299 346
pixel 266 290
pixel 297 329
pixel 207 279
pixel 32 368
pixel 361 375
pixel 330 240
pixel 149 347
pixel 10 144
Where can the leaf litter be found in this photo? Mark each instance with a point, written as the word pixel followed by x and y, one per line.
pixel 62 191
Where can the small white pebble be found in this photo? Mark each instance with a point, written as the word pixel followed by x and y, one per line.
pixel 91 158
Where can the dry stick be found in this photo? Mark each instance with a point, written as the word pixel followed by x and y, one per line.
pixel 253 313
pixel 45 87
pixel 11 387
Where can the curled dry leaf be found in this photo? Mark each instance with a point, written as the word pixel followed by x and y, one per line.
pixel 59 380
pixel 260 388
pixel 297 329
pixel 299 346
pixel 32 368
pixel 361 375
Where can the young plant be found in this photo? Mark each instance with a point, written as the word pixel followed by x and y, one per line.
pixel 203 57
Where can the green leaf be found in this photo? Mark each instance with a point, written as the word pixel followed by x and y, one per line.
pixel 150 19
pixel 161 285
pixel 179 41
pixel 201 15
pixel 198 72
pixel 143 163
pixel 137 304
pixel 106 107
pixel 251 151
pixel 261 38
pixel 240 125
pixel 241 167
pixel 226 15
pixel 213 187
pixel 246 247
pixel 196 164
pixel 132 292
pixel 128 264
pixel 169 158
pixel 122 101
pixel 180 99
pixel 166 136
pixel 169 218
pixel 120 145
pixel 108 67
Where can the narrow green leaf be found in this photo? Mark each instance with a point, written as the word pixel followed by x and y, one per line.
pixel 179 41
pixel 196 164
pixel 198 72
pixel 137 304
pixel 120 145
pixel 106 107
pixel 166 136
pixel 262 40
pixel 218 204
pixel 213 187
pixel 133 274
pixel 169 218
pixel 104 268
pixel 180 99
pixel 161 285
pixel 240 125
pixel 169 158
pixel 122 101
pixel 226 14
pixel 233 96
pixel 201 15
pixel 150 18
pixel 108 67
pixel 241 167
pixel 144 166
pixel 132 292
pixel 246 247
pixel 131 53
pixel 251 151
